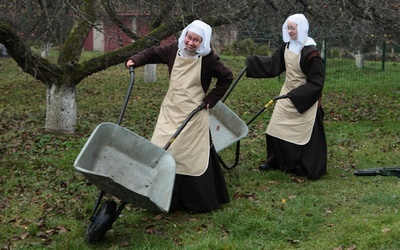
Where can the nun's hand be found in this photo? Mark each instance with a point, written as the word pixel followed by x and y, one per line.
pixel 129 63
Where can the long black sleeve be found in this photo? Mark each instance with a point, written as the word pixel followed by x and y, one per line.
pixel 266 67
pixel 307 94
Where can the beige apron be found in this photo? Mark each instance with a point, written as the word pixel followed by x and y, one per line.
pixel 191 148
pixel 286 122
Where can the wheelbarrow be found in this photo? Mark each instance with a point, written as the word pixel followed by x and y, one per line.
pixel 237 150
pixel 237 153
pixel 131 168
pixel 225 126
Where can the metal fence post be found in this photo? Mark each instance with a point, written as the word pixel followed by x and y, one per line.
pixel 383 55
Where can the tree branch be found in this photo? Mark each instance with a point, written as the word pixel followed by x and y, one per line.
pixel 31 63
pixel 114 18
pixel 72 48
pixel 165 30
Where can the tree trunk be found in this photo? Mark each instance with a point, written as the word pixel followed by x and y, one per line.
pixel 150 73
pixel 360 58
pixel 45 50
pixel 61 110
pixel 323 49
pixel 62 77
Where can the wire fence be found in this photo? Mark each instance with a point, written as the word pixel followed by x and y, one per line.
pixel 378 67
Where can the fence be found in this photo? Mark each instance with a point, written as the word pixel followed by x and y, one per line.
pixel 380 65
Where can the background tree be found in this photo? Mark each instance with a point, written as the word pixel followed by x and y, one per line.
pixel 358 25
pixel 24 24
pixel 65 23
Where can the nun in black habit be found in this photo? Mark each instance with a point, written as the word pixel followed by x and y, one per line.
pixel 295 135
pixel 200 185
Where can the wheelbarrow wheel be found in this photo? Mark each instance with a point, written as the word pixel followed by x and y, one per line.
pixel 101 222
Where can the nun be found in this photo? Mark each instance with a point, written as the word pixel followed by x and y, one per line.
pixel 192 64
pixel 295 135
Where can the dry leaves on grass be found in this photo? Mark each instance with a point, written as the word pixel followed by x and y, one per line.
pixel 45 236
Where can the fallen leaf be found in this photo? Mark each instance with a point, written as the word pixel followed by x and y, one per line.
pixel 250 196
pixel 150 229
pixel 15 238
pixel 224 230
pixel 298 180
pixel 12 220
pixel 50 232
pixel 24 236
pixel 41 223
pixel 62 230
pixel 266 189
pixel 125 244
pixel 293 240
pixel 160 216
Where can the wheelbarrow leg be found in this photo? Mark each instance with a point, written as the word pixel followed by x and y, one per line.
pixel 119 210
pixel 248 123
pixel 101 222
pixel 96 205
pixel 236 158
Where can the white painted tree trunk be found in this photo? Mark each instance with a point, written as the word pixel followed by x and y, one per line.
pixel 360 58
pixel 323 49
pixel 61 110
pixel 45 50
pixel 150 73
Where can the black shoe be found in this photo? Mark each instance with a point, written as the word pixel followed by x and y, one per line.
pixel 264 167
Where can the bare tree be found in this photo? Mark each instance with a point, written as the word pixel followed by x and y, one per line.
pixel 45 21
pixel 66 23
pixel 361 24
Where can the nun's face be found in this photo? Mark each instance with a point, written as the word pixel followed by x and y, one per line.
pixel 192 41
pixel 292 30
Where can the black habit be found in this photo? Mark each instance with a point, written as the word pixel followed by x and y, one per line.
pixel 309 159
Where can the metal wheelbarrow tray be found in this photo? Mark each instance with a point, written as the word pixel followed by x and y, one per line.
pixel 226 127
pixel 127 166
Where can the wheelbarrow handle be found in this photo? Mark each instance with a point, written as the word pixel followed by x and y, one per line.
pixel 274 100
pixel 265 107
pixel 390 171
pixel 127 95
pixel 228 92
pixel 280 97
pixel 367 172
pixel 183 125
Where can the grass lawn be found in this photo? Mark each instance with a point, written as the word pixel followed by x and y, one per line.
pixel 45 203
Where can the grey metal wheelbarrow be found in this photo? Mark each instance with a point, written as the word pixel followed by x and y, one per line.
pixel 226 127
pixel 131 168
pixel 244 127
